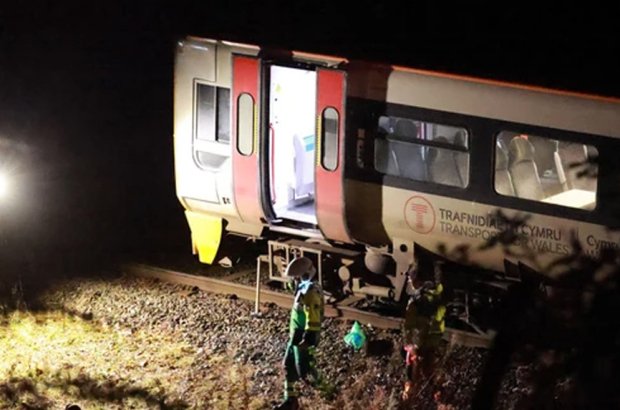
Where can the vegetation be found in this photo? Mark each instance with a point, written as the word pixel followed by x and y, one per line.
pixel 49 359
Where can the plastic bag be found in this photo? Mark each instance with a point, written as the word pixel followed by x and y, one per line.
pixel 356 337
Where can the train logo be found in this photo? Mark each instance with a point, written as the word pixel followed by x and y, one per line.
pixel 420 214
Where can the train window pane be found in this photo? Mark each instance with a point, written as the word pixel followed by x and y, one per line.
pixel 422 151
pixel 223 115
pixel 329 139
pixel 546 170
pixel 245 124
pixel 205 112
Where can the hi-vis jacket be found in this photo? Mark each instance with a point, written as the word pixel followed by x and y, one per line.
pixel 426 313
pixel 307 313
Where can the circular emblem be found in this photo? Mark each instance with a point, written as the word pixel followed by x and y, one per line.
pixel 419 214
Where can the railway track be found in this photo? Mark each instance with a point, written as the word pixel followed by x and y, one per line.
pixel 339 310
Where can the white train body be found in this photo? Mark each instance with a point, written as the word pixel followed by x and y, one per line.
pixel 385 159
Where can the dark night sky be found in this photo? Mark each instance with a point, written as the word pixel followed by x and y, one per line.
pixel 89 88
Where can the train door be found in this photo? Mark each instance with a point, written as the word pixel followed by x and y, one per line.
pixel 291 133
pixel 329 173
pixel 246 100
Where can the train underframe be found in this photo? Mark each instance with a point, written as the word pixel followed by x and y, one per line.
pixel 374 279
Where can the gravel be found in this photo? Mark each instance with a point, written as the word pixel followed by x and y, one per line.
pixel 219 325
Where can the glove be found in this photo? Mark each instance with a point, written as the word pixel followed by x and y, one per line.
pixel 411 354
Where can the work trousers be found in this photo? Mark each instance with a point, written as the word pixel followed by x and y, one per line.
pixel 300 364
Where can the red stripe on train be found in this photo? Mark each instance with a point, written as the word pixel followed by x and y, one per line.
pixel 246 72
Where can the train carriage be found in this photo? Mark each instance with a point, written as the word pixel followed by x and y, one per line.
pixel 373 164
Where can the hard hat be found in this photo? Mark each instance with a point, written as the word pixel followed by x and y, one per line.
pixel 300 267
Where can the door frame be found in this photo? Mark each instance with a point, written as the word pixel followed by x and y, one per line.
pixel 265 139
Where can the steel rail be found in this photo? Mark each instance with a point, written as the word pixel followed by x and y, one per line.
pixel 284 300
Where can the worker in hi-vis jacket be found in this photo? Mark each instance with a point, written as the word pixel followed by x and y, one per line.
pixel 304 331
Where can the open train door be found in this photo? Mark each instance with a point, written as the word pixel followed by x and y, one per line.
pixel 245 101
pixel 329 169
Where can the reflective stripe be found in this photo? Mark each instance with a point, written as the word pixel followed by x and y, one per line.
pixel 313 326
pixel 289 390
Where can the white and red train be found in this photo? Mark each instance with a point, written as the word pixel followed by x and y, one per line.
pixel 381 164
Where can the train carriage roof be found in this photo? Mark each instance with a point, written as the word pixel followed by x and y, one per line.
pixel 527 104
pixel 505 101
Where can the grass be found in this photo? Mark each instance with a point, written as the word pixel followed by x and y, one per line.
pixel 51 359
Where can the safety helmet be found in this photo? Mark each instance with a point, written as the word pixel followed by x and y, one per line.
pixel 300 267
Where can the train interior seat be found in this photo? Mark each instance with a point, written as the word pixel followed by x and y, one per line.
pixel 549 164
pixel 408 158
pixel 400 159
pixel 406 130
pixel 462 158
pixel 385 157
pixel 559 167
pixel 411 163
pixel 442 165
pixel 523 170
pixel 503 180
pixel 385 125
pixel 301 188
pixel 543 169
pixel 571 155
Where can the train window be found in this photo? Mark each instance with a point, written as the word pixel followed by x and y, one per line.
pixel 329 139
pixel 245 124
pixel 205 112
pixel 212 120
pixel 546 170
pixel 223 115
pixel 422 151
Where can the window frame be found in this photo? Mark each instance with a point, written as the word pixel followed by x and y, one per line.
pixel 334 156
pixel 467 149
pixel 251 127
pixel 215 147
pixel 362 117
